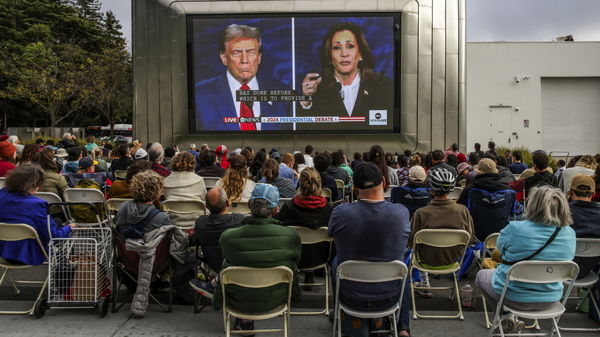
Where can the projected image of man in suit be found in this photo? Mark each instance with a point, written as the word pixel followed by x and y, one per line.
pixel 241 54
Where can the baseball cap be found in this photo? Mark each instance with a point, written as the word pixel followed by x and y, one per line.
pixel 583 183
pixel 85 163
pixel 367 175
pixel 417 174
pixel 61 153
pixel 237 161
pixel 141 154
pixel 267 192
pixel 486 165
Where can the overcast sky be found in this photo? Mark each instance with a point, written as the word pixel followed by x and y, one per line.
pixel 489 20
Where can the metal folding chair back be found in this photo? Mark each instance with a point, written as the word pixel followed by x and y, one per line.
pixel 184 212
pixel 315 239
pixel 256 278
pixel 240 207
pixel 537 272
pixel 120 174
pixel 488 245
pixel 210 182
pixel 113 204
pixel 87 195
pixel 369 272
pixel 19 232
pixel 53 198
pixel 325 192
pixel 440 238
pixel 455 194
pixel 586 247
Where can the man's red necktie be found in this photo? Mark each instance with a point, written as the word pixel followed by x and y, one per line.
pixel 246 112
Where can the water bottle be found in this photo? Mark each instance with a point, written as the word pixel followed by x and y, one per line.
pixel 466 296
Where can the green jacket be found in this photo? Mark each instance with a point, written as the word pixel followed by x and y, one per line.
pixel 259 243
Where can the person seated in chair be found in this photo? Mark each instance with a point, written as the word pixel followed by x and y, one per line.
pixel 546 224
pixel 416 193
pixel 208 228
pixel 376 230
pixel 145 187
pixel 18 204
pixel 87 170
pixel 586 217
pixel 260 243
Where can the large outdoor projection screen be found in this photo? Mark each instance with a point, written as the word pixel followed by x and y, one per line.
pixel 294 73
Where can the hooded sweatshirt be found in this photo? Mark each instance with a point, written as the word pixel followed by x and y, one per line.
pixel 339 173
pixel 311 212
pixel 208 230
pixel 132 213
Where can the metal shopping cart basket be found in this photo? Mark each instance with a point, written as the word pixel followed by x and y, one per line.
pixel 79 270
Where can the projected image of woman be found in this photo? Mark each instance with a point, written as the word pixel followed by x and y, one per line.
pixel 347 84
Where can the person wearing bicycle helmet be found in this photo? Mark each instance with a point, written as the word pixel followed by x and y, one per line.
pixel 441 213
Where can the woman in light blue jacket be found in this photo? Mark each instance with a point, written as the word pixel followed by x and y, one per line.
pixel 547 209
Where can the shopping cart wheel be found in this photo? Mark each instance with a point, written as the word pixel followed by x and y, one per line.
pixel 40 308
pixel 103 305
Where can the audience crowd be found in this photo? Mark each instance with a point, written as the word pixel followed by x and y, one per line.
pixel 373 207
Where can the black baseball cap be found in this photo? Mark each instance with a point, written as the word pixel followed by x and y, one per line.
pixel 367 175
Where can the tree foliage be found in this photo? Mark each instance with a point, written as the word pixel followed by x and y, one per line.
pixel 63 62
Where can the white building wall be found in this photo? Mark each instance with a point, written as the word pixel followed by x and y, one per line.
pixel 498 105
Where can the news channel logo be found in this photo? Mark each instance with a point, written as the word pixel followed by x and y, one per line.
pixel 378 117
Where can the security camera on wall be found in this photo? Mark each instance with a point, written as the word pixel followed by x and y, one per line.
pixel 516 79
pixel 517 109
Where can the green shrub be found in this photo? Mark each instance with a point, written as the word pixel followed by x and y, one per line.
pixel 526 154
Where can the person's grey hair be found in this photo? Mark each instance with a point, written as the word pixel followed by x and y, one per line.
pixel 156 152
pixel 66 135
pixel 13 139
pixel 219 206
pixel 239 31
pixel 260 208
pixel 548 205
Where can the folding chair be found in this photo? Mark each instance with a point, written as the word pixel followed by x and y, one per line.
pixel 455 194
pixel 340 186
pixel 256 278
pixel 19 232
pixel 316 252
pixel 325 192
pixel 113 205
pixel 586 248
pixel 539 272
pixel 184 212
pixel 488 247
pixel 210 182
pixel 125 270
pixel 120 174
pixel 2 181
pixel 53 198
pixel 87 195
pixel 440 238
pixel 388 193
pixel 369 272
pixel 240 207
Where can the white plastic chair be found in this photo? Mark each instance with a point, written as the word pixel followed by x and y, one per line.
pixel 88 195
pixel 440 238
pixel 586 248
pixel 311 238
pixel 19 232
pixel 256 278
pixel 210 182
pixel 455 194
pixel 240 207
pixel 369 272
pixel 184 212
pixel 538 272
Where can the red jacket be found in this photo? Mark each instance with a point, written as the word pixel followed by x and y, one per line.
pixel 5 167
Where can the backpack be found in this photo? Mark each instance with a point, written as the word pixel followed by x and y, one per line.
pixel 136 231
pixel 491 211
pixel 411 198
pixel 83 213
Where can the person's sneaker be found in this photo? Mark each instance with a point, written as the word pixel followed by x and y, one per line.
pixel 244 324
pixel 519 327
pixel 424 283
pixel 204 288
pixel 508 322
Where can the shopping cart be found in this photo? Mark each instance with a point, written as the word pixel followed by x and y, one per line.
pixel 79 270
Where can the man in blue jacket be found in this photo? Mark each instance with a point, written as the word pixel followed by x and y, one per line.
pixel 216 98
